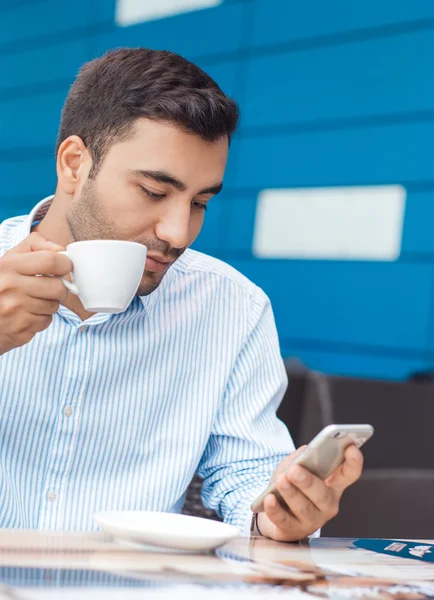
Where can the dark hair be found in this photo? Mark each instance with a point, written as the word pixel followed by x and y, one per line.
pixel 111 92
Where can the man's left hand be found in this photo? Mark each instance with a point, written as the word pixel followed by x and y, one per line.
pixel 312 501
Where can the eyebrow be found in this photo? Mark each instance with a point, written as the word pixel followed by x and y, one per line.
pixel 164 177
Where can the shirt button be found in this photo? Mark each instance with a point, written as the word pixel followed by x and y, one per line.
pixel 67 411
pixel 82 329
pixel 52 496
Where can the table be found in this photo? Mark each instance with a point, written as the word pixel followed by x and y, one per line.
pixel 38 565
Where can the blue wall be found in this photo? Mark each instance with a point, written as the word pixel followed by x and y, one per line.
pixel 332 93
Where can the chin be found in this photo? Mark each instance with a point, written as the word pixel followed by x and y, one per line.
pixel 149 283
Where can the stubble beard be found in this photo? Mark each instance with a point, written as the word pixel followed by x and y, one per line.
pixel 88 220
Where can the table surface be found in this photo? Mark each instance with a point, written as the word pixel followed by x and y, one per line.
pixel 36 565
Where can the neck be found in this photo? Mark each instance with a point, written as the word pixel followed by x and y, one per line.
pixel 54 227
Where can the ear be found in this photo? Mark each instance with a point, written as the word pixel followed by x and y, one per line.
pixel 73 164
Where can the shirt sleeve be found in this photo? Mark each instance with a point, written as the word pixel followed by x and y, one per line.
pixel 248 440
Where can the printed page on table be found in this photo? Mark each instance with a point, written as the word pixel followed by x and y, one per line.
pixel 244 568
pixel 337 568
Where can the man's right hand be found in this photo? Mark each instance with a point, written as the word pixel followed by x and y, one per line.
pixel 27 303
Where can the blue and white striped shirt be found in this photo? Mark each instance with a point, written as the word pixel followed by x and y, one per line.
pixel 119 412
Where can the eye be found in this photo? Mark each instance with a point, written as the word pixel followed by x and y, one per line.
pixel 199 206
pixel 152 194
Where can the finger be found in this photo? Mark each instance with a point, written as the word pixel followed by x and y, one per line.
pixel 42 263
pixel 40 323
pixel 287 462
pixel 349 472
pixel 300 506
pixel 291 457
pixel 314 489
pixel 37 306
pixel 47 288
pixel 30 324
pixel 33 243
pixel 285 525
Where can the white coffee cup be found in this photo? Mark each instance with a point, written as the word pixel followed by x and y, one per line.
pixel 106 273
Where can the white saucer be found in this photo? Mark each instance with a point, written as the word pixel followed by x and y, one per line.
pixel 166 530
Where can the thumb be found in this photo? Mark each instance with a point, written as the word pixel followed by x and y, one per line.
pixel 35 242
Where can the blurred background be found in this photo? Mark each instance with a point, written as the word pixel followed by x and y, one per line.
pixel 333 95
pixel 328 199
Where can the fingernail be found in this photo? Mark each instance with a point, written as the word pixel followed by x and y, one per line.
pixel 298 474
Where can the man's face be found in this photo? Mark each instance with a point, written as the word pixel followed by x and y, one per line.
pixel 151 189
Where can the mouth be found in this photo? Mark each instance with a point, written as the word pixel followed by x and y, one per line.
pixel 157 265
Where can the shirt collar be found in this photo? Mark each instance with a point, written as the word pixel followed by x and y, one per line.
pixel 25 227
pixel 38 213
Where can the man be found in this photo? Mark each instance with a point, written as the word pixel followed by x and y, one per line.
pixel 101 411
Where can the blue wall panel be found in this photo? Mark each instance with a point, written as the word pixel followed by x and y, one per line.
pixel 364 156
pixel 209 237
pixel 346 363
pixel 228 226
pixel 383 305
pixel 343 81
pixel 210 31
pixel 42 66
pixel 332 93
pixel 37 127
pixel 30 178
pixel 20 205
pixel 50 17
pixel 418 234
pixel 233 230
pixel 280 21
pixel 239 213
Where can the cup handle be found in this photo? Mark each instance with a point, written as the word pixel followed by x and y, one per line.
pixel 70 286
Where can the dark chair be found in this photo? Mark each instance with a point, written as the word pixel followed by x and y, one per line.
pixel 193 504
pixel 394 496
pixel 387 503
pixel 402 414
pixel 290 409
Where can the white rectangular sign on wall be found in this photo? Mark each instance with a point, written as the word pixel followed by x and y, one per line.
pixel 131 12
pixel 343 223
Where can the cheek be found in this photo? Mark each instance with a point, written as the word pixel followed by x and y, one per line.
pixel 135 227
pixel 127 207
pixel 126 203
pixel 117 194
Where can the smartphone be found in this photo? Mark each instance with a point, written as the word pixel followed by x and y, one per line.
pixel 323 455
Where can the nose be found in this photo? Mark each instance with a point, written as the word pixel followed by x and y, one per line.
pixel 173 226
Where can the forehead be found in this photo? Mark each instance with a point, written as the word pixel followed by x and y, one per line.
pixel 156 145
